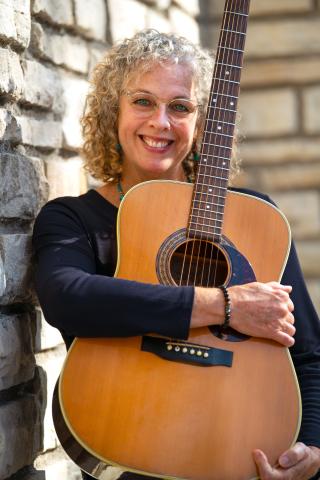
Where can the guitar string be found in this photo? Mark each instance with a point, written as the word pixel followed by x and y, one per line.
pixel 220 141
pixel 199 191
pixel 234 60
pixel 231 57
pixel 215 139
pixel 226 40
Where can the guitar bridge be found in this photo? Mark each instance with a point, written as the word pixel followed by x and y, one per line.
pixel 186 352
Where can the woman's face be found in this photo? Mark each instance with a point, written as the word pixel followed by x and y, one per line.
pixel 155 137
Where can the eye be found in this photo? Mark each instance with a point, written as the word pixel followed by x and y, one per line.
pixel 181 106
pixel 143 102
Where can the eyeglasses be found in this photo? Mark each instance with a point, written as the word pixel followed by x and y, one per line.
pixel 145 104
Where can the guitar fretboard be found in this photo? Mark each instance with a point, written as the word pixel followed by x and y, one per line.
pixel 211 183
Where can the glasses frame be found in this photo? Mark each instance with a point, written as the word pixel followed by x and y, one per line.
pixel 178 117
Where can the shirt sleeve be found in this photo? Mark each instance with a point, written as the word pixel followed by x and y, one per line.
pixel 306 351
pixel 82 303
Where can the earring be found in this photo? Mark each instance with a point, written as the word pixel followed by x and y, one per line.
pixel 118 147
pixel 196 156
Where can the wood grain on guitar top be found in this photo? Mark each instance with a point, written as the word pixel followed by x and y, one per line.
pixel 174 419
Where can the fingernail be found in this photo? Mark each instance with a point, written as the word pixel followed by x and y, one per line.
pixel 284 461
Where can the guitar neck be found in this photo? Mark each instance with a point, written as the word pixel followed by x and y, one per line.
pixel 214 163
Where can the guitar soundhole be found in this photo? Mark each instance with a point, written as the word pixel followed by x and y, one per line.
pixel 199 263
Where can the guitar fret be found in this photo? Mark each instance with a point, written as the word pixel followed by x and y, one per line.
pixel 207 232
pixel 225 95
pixel 220 108
pixel 224 80
pixel 221 134
pixel 232 31
pixel 206 218
pixel 201 209
pixel 212 203
pixel 222 146
pixel 215 156
pixel 236 13
pixel 212 176
pixel 220 121
pixel 229 48
pixel 217 221
pixel 206 224
pixel 229 65
pixel 205 201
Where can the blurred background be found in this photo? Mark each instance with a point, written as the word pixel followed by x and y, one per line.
pixel 48 49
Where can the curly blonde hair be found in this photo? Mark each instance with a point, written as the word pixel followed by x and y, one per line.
pixel 132 56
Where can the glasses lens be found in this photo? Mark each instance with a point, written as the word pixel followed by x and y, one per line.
pixel 143 102
pixel 181 107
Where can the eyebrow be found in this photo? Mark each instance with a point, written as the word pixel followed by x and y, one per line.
pixel 177 97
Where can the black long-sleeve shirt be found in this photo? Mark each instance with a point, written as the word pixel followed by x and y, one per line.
pixel 76 253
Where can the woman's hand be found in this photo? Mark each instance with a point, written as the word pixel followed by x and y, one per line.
pixel 298 463
pixel 263 310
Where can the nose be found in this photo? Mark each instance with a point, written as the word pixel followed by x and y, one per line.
pixel 160 117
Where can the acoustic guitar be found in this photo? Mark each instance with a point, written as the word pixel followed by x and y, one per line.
pixel 188 409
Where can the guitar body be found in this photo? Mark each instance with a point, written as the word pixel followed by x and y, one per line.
pixel 143 413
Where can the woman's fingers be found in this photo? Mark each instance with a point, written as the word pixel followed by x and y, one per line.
pixel 263 310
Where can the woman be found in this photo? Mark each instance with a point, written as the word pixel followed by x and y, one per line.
pixel 143 121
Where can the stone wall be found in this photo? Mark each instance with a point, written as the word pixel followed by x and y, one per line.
pixel 47 50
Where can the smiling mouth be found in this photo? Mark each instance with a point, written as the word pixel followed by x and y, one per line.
pixel 160 143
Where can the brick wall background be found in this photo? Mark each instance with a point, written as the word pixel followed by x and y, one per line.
pixel 47 50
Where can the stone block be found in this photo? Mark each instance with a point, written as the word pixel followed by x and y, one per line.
pixel 96 54
pixel 29 473
pixel 66 177
pixel 15 22
pixel 283 37
pixel 156 19
pixel 16 350
pixel 184 24
pixel 290 177
pixel 47 337
pixel 23 186
pixel 274 7
pixel 268 112
pixel 50 363
pixel 93 20
pixel 159 4
pixel 58 466
pixel 15 251
pixel 3 282
pixel 274 72
pixel 127 17
pixel 11 76
pixel 302 210
pixel 3 121
pixel 309 256
pixel 65 50
pixel 209 9
pixel 39 133
pixel 280 151
pixel 42 86
pixel 20 434
pixel 58 12
pixel 74 93
pixel 191 7
pixel 311 109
